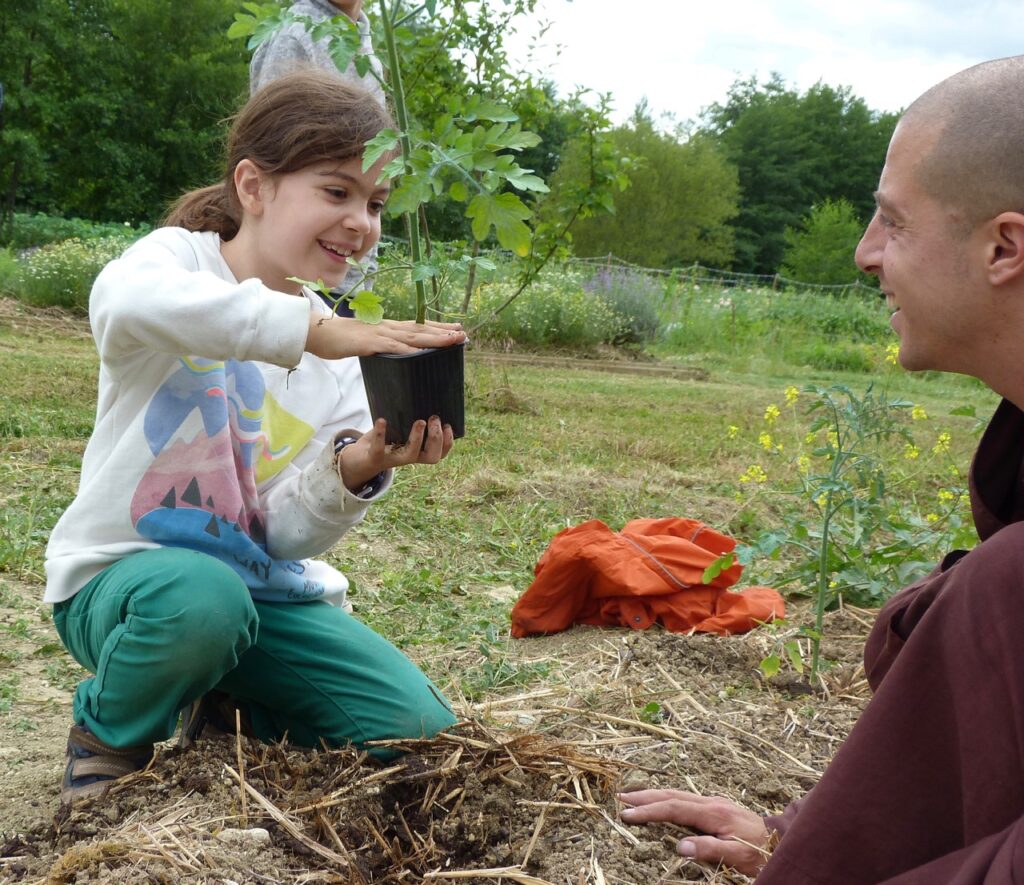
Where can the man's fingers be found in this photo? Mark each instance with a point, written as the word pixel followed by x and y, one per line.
pixel 676 811
pixel 645 797
pixel 710 850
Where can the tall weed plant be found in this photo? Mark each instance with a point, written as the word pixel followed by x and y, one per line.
pixel 839 465
pixel 62 274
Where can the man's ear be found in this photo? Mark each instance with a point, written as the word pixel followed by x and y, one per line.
pixel 1005 253
pixel 249 180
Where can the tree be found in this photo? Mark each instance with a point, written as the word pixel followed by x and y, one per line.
pixel 114 106
pixel 676 209
pixel 793 151
pixel 822 249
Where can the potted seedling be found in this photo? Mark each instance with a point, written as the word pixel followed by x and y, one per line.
pixel 469 154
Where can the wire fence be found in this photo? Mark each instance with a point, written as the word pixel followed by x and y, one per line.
pixel 697 273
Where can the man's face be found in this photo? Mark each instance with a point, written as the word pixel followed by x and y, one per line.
pixel 921 259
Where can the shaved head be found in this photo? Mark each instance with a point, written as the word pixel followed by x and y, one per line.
pixel 976 164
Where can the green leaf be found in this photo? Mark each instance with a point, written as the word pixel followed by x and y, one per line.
pixel 363 65
pixel 490 110
pixel 796 659
pixel 967 411
pixel 770 665
pixel 718 566
pixel 458 191
pixel 505 213
pixel 367 307
pixel 422 272
pixel 382 143
pixel 525 182
pixel 318 286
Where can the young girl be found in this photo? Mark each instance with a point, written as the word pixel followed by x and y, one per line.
pixel 228 451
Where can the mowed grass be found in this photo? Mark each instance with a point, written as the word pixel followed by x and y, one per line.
pixel 437 565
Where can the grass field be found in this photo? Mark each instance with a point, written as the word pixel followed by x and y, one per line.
pixel 436 568
pixel 440 560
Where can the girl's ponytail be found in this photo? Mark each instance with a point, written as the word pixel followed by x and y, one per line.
pixel 208 208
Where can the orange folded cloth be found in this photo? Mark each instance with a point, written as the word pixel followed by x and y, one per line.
pixel 650 571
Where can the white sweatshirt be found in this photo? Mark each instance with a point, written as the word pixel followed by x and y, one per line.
pixel 214 429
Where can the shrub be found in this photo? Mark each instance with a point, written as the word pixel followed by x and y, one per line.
pixel 838 357
pixel 8 271
pixel 62 274
pixel 554 311
pixel 633 298
pixel 29 231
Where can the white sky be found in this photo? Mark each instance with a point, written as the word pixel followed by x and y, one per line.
pixel 683 55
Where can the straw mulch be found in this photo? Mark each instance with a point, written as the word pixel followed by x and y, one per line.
pixel 523 791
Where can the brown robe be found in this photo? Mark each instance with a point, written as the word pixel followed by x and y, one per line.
pixel 929 786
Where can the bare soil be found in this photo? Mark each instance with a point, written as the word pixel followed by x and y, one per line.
pixel 522 791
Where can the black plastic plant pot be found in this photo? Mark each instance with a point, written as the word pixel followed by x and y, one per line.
pixel 403 387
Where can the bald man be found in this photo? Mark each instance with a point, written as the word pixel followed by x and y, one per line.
pixel 929 785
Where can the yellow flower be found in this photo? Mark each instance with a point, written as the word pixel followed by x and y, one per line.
pixel 946 495
pixel 771 413
pixel 932 517
pixel 791 395
pixel 892 352
pixel 808 439
pixel 732 431
pixel 942 444
pixel 918 414
pixel 754 474
pixel 765 440
pixel 833 439
pixel 911 452
pixel 803 464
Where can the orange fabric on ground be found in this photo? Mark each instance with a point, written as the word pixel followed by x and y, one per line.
pixel 650 571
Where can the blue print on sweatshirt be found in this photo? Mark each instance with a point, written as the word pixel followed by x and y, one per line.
pixel 208 427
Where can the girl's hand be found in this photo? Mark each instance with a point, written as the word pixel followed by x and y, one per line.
pixel 359 462
pixel 334 337
pixel 737 836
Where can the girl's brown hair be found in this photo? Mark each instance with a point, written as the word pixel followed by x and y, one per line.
pixel 305 117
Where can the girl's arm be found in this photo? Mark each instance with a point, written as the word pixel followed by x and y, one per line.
pixel 160 297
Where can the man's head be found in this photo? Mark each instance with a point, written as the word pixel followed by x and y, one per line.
pixel 947 241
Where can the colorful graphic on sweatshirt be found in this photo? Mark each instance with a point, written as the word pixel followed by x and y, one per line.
pixel 215 434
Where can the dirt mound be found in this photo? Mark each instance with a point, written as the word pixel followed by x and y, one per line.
pixel 521 792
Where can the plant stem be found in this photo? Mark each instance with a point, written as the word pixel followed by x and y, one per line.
pixel 402 115
pixel 819 614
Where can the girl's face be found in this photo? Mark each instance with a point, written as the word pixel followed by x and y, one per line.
pixel 308 223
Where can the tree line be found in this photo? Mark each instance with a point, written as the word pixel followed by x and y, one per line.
pixel 111 108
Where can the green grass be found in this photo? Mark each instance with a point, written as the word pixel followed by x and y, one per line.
pixel 437 565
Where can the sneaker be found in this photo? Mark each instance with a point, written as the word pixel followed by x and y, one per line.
pixel 93 766
pixel 213 715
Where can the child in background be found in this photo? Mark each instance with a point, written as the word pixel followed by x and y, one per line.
pixel 229 450
pixel 294 48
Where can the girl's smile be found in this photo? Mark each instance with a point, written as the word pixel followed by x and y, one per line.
pixel 305 224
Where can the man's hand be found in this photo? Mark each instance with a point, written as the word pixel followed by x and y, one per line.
pixel 351 8
pixel 334 337
pixel 359 462
pixel 737 836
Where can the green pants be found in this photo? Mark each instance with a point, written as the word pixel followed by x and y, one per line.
pixel 160 628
